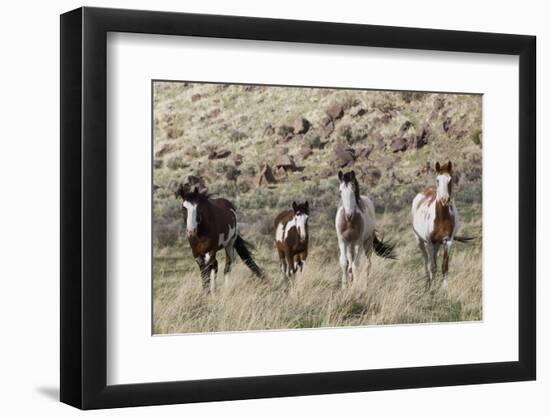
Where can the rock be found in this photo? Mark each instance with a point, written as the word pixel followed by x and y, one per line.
pixel 405 126
pixel 265 177
pixel 285 130
pixel 269 130
pixel 164 149
pixel 422 137
pixel 327 127
pixel 283 150
pixel 336 111
pixel 357 111
pixel 398 145
pixel 158 163
pixel 286 162
pixel 305 152
pixel 221 154
pixel 364 152
pixel 343 156
pixel 195 97
pixel 300 125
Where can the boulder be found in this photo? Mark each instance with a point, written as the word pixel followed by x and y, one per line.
pixel 335 111
pixel 265 177
pixel 398 145
pixel 327 127
pixel 164 149
pixel 269 130
pixel 195 97
pixel 221 154
pixel 300 125
pixel 342 155
pixel 286 162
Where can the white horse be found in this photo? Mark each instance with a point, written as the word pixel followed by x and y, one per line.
pixel 355 228
pixel 435 223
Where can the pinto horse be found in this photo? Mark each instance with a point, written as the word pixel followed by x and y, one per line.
pixel 356 228
pixel 291 236
pixel 211 225
pixel 435 223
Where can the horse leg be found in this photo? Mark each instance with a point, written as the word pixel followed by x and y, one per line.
pixel 212 269
pixel 205 277
pixel 290 263
pixel 229 259
pixel 343 262
pixel 351 254
pixel 445 266
pixel 282 262
pixel 424 252
pixel 302 260
pixel 368 246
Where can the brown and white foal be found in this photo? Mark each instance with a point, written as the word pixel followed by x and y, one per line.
pixel 291 236
pixel 211 225
pixel 435 222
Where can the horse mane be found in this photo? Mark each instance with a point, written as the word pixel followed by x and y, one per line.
pixel 357 193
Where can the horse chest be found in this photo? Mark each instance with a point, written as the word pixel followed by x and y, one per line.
pixel 443 225
pixel 353 229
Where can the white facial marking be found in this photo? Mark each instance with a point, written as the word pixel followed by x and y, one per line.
pixel 300 221
pixel 191 217
pixel 348 198
pixel 443 187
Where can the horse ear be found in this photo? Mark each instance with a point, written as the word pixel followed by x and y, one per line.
pixel 294 206
pixel 450 166
pixel 196 190
pixel 352 175
pixel 307 207
pixel 340 175
pixel 437 167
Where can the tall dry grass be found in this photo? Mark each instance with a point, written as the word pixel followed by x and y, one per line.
pixel 394 293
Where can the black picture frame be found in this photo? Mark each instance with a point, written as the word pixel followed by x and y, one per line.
pixel 84 207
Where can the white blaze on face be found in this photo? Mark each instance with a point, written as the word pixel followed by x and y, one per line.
pixel 300 220
pixel 348 198
pixel 443 188
pixel 191 217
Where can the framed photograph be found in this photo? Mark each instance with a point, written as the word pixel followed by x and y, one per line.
pixel 257 208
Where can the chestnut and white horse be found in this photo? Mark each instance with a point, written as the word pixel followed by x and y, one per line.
pixel 356 228
pixel 291 238
pixel 435 223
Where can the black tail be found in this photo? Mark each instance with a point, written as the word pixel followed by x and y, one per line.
pixel 243 249
pixel 384 249
pixel 463 239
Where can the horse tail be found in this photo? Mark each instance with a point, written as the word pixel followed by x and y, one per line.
pixel 243 248
pixel 463 239
pixel 384 249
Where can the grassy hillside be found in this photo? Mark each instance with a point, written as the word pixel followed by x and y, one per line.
pixel 232 139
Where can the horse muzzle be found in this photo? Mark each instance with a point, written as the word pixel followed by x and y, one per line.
pixel 191 233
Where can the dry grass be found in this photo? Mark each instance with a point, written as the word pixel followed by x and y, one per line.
pixel 393 294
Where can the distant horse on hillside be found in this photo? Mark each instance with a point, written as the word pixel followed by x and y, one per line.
pixel 435 222
pixel 211 225
pixel 291 236
pixel 356 228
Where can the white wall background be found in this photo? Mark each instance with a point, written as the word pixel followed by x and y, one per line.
pixel 29 207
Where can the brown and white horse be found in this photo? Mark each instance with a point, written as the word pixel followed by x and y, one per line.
pixel 291 237
pixel 356 228
pixel 211 225
pixel 435 222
